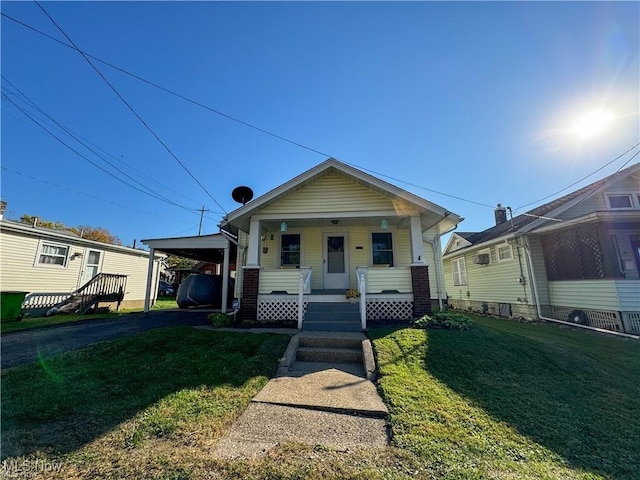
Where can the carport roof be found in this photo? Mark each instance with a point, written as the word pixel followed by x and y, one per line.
pixel 205 247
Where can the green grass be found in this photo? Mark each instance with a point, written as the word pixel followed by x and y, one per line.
pixel 155 385
pixel 502 400
pixel 513 400
pixel 162 303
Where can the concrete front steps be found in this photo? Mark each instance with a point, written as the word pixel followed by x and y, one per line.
pixel 332 317
pixel 318 351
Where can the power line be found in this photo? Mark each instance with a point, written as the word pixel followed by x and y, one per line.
pixel 43 128
pixel 130 107
pixel 583 178
pixel 68 132
pixel 69 189
pixel 230 117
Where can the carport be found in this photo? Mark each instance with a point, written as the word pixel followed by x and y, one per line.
pixel 214 248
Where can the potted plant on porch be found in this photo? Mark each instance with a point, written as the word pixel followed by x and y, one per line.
pixel 352 295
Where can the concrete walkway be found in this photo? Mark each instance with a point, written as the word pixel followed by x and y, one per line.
pixel 315 403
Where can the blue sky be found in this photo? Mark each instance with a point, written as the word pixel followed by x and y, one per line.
pixel 470 99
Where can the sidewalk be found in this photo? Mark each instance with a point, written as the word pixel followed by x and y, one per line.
pixel 326 405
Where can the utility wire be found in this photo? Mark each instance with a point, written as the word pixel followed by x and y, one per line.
pixel 583 178
pixel 247 124
pixel 69 189
pixel 68 132
pixel 42 127
pixel 130 107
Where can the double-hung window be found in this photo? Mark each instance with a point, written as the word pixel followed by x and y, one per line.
pixel 52 254
pixel 504 252
pixel 459 271
pixel 290 250
pixel 382 247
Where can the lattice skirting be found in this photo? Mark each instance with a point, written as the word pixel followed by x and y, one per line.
pixel 595 318
pixel 631 322
pixel 279 307
pixel 389 309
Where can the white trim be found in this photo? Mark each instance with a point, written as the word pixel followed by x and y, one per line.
pixel 633 204
pixel 42 243
pixel 393 246
pixel 450 243
pixel 331 215
pixel 504 245
pixel 453 271
pixel 279 260
pixel 325 261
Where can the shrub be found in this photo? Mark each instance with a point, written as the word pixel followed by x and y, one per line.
pixel 220 320
pixel 452 321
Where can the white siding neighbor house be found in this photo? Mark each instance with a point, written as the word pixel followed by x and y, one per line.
pixel 333 228
pixel 574 259
pixel 51 265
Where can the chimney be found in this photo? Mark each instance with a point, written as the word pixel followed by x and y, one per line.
pixel 501 214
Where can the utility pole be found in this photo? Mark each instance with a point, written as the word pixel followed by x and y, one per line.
pixel 202 210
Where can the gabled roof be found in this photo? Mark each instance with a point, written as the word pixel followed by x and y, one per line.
pixel 241 215
pixel 531 219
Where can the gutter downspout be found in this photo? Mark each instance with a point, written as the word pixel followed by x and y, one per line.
pixel 437 257
pixel 539 310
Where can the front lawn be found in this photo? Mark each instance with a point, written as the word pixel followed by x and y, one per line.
pixel 502 400
pixel 508 400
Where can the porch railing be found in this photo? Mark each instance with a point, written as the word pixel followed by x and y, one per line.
pixel 362 288
pixel 304 285
pixel 104 287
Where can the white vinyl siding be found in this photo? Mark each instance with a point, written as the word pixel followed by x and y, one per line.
pixel 628 295
pixel 20 272
pixel 459 271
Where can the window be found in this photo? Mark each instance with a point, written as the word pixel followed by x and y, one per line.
pixel 52 254
pixel 459 271
pixel 504 252
pixel 382 249
pixel 616 202
pixel 290 250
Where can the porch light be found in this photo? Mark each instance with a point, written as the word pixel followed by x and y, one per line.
pixel 283 227
pixel 384 224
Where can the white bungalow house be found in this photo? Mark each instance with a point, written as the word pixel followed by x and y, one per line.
pixel 575 259
pixel 52 265
pixel 335 228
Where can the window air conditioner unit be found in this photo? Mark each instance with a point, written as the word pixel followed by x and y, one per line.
pixel 482 259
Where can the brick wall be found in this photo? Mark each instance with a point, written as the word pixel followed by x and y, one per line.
pixel 421 290
pixel 249 303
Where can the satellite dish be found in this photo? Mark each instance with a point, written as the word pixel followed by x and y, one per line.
pixel 242 194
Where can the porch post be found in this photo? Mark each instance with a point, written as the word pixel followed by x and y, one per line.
pixel 250 288
pixel 147 294
pixel 225 278
pixel 421 290
pixel 417 243
pixel 253 258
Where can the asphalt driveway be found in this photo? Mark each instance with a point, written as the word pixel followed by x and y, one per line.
pixel 29 345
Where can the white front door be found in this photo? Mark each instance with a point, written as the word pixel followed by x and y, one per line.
pixel 336 261
pixel 92 264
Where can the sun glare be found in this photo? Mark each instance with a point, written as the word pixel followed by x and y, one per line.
pixel 592 124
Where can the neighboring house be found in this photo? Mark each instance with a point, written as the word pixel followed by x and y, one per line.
pixel 335 228
pixel 574 259
pixel 51 264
